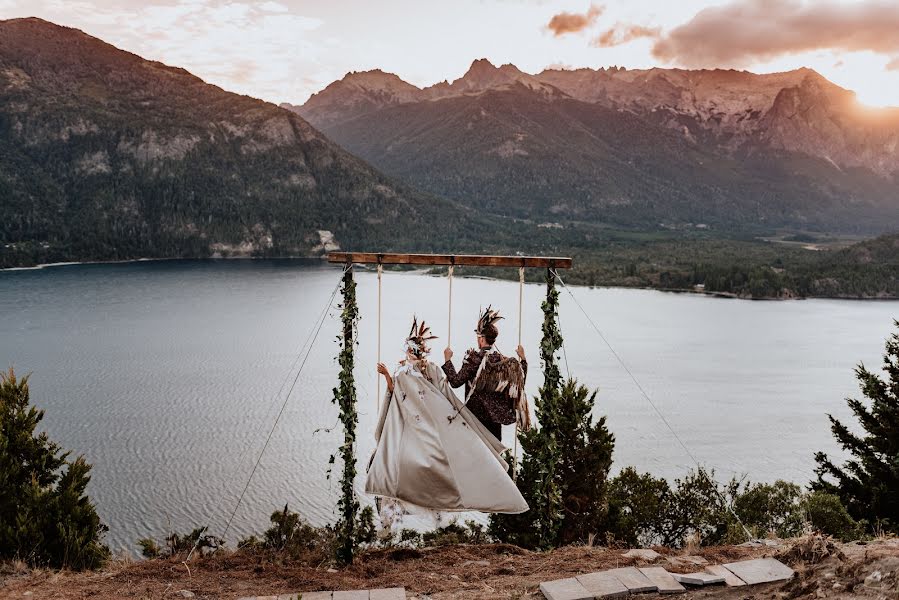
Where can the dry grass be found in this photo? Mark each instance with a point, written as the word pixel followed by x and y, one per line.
pixel 490 571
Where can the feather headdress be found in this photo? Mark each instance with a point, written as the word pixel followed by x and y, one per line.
pixel 419 336
pixel 488 317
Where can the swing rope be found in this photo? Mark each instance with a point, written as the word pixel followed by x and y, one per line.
pixel 520 304
pixel 380 272
pixel 449 309
pixel 268 439
pixel 654 407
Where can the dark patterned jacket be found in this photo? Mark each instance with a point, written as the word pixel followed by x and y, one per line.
pixel 491 408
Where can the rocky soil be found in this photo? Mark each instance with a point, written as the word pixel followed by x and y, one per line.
pixel 490 571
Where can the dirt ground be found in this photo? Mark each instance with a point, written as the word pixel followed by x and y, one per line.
pixel 493 571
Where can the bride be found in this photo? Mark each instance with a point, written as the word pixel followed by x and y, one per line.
pixel 425 457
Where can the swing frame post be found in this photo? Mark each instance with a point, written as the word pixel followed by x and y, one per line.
pixel 345 398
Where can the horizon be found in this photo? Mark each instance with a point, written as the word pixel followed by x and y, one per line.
pixel 295 48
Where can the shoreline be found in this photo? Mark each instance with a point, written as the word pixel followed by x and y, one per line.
pixel 721 295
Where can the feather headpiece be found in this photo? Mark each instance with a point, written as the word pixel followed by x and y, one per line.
pixel 488 317
pixel 419 335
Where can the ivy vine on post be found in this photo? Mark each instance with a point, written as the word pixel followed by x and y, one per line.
pixel 548 499
pixel 345 398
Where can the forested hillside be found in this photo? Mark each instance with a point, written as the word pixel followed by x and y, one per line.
pixel 104 155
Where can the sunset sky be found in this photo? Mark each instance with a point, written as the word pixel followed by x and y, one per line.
pixel 285 50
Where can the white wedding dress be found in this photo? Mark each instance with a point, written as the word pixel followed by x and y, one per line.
pixel 425 460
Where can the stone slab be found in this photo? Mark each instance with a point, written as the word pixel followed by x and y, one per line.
pixel 698 578
pixel 729 578
pixel 388 594
pixel 760 570
pixel 603 585
pixel 663 580
pixel 349 595
pixel 315 595
pixel 643 554
pixel 635 581
pixel 687 561
pixel 565 589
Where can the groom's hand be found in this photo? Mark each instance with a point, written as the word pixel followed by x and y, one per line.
pixel 447 354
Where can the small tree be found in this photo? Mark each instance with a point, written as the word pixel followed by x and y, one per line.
pixel 45 517
pixel 868 483
pixel 580 476
pixel 538 479
pixel 584 466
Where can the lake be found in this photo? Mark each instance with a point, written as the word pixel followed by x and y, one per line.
pixel 166 376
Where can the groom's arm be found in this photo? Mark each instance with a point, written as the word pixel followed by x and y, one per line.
pixel 465 374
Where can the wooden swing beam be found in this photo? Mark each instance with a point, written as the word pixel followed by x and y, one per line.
pixel 473 260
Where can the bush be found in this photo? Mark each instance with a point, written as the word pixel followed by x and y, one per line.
pixel 469 533
pixel 180 544
pixel 826 513
pixel 636 504
pixel 46 519
pixel 775 508
pixel 646 511
pixel 291 535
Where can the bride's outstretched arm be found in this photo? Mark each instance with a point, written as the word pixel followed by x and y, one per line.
pixel 382 369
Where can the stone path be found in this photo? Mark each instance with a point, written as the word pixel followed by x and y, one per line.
pixel 379 594
pixel 616 583
pixel 662 579
pixel 613 583
pixel 760 570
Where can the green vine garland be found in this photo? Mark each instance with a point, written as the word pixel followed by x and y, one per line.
pixel 547 503
pixel 345 398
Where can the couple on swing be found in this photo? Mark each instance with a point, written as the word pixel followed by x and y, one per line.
pixel 438 452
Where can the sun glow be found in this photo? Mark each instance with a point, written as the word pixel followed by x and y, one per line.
pixel 877 98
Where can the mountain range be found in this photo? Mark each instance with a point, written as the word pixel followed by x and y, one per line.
pixel 636 148
pixel 105 155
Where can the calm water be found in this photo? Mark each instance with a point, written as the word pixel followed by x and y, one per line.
pixel 166 376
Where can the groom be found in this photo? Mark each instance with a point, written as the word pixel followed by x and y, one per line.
pixel 492 408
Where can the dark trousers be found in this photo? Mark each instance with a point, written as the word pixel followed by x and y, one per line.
pixel 495 428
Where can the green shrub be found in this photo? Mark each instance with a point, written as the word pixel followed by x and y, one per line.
pixel 771 508
pixel 646 511
pixel 636 504
pixel 291 535
pixel 179 544
pixel 468 533
pixel 46 519
pixel 826 513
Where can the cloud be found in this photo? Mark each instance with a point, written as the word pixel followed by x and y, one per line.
pixel 749 31
pixel 622 34
pixel 256 48
pixel 566 22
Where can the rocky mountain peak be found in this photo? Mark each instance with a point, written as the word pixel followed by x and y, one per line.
pixel 481 75
pixel 376 79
